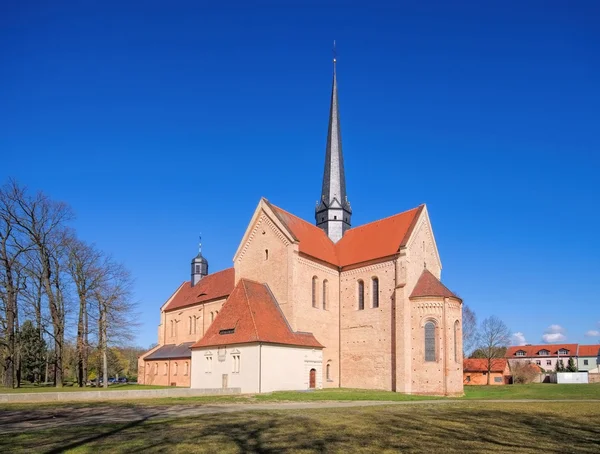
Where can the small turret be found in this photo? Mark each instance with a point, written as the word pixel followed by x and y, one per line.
pixel 199 266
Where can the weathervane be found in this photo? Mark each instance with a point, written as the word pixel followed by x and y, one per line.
pixel 200 243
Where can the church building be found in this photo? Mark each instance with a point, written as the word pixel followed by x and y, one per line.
pixel 316 305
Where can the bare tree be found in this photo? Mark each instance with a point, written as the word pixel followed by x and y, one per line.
pixel 115 310
pixel 43 222
pixel 469 328
pixel 12 248
pixel 87 271
pixel 493 338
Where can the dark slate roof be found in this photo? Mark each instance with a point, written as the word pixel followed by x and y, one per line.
pixel 172 351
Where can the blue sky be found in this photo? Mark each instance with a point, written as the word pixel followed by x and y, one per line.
pixel 160 120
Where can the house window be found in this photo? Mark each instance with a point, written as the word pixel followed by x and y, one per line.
pixel 543 353
pixel 175 369
pixel 429 341
pixel 538 362
pixel 375 288
pixel 236 364
pixel 361 295
pixel 456 353
pixel 197 269
pixel 585 362
pixel 328 371
pixel 563 351
pixel 548 362
pixel 325 294
pixel 190 320
pixel 187 368
pixel 314 291
pixel 497 379
pixel 468 379
pixel 166 368
pixel 155 368
pixel 520 353
pixel 195 324
pixel 208 369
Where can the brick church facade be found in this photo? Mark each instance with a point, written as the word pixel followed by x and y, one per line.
pixel 359 307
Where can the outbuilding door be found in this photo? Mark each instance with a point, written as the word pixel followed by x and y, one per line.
pixel 312 379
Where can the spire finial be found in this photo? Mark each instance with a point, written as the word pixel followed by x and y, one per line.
pixel 334 54
pixel 200 244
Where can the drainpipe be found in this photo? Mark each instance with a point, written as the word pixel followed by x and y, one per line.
pixel 259 367
pixel 340 328
pixel 445 359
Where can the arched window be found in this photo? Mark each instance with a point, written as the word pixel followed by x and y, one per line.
pixel 190 318
pixel 266 254
pixel 328 371
pixel 212 317
pixel 456 333
pixel 166 368
pixel 375 290
pixel 361 295
pixel 155 368
pixel 197 269
pixel 429 341
pixel 187 368
pixel 175 369
pixel 314 291
pixel 195 324
pixel 325 294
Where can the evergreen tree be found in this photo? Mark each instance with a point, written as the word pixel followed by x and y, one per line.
pixel 33 352
pixel 560 367
pixel 571 367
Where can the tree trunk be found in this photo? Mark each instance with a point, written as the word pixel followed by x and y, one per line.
pixel 85 347
pixel 80 342
pixel 11 310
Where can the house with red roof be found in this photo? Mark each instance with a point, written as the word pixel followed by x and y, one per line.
pixel 588 357
pixel 545 355
pixel 317 304
pixel 475 371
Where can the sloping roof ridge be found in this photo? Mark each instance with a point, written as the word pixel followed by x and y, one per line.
pixel 386 218
pixel 243 281
pixel 422 294
pixel 277 306
pixel 274 209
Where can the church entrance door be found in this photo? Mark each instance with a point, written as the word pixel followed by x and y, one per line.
pixel 312 378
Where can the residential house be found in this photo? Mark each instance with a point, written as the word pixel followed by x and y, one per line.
pixel 475 372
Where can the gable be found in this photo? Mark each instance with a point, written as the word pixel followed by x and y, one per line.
pixel 263 216
pixel 422 232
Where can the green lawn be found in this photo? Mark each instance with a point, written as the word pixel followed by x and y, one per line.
pixel 67 389
pixel 460 427
pixel 534 391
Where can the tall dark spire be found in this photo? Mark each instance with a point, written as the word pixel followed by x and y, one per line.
pixel 333 212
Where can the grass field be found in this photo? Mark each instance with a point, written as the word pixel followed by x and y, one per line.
pixel 551 427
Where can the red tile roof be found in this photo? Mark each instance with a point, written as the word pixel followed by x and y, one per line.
pixel 429 285
pixel 589 350
pixel 371 241
pixel 210 287
pixel 251 314
pixel 480 365
pixel 313 241
pixel 532 350
pixel 377 239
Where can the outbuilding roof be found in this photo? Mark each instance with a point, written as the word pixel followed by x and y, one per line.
pixel 251 314
pixel 171 351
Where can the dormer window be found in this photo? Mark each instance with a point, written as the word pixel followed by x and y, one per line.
pixel 563 351
pixel 520 353
pixel 227 331
pixel 543 353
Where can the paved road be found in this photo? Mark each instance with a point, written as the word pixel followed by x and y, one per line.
pixel 51 418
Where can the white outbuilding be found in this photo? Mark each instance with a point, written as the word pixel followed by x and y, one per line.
pixel 251 346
